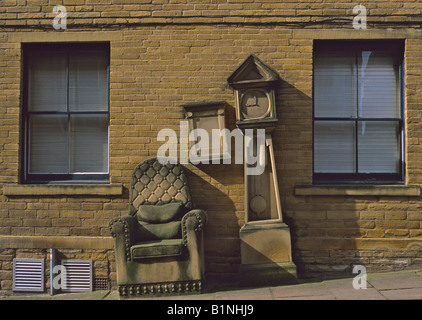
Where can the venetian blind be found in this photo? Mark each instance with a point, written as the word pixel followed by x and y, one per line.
pixel 356 108
pixel 65 90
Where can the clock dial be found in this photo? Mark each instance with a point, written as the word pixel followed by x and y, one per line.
pixel 255 104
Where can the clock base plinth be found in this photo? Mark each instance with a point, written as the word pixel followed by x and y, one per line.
pixel 266 254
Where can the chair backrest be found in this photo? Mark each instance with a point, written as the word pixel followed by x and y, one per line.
pixel 156 184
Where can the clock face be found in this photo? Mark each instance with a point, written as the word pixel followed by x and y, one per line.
pixel 255 104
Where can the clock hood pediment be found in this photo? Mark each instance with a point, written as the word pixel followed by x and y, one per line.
pixel 252 72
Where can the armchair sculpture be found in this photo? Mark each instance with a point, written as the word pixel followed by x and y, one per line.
pixel 159 244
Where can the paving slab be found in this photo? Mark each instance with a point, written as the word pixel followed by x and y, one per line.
pixel 395 280
pixel 113 295
pixel 403 294
pixel 302 291
pixel 343 289
pixel 353 294
pixel 247 294
pixel 94 295
pixel 400 285
pixel 203 296
pixel 317 297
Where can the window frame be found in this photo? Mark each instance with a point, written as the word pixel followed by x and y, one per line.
pixel 46 178
pixel 362 178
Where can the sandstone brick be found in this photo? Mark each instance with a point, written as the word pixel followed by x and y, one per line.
pixel 23 231
pixel 84 231
pixel 50 231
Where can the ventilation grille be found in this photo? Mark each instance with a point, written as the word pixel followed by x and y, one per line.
pixel 78 276
pixel 28 275
pixel 101 284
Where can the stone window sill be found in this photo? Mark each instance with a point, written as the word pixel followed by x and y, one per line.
pixel 358 190
pixel 62 189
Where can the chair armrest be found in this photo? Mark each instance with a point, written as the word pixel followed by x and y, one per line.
pixel 193 221
pixel 124 225
pixel 124 229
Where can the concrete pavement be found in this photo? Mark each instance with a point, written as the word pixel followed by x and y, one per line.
pixel 399 285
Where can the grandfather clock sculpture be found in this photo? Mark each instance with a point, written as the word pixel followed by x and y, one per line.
pixel 264 239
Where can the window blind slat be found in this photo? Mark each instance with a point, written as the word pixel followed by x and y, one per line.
pixel 88 87
pixel 48 144
pixel 89 143
pixel 335 85
pixel 47 82
pixel 378 89
pixel 378 147
pixel 334 147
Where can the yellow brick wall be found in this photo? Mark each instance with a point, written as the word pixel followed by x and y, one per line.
pixel 167 53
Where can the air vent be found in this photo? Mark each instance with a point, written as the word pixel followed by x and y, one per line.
pixel 101 284
pixel 78 276
pixel 28 275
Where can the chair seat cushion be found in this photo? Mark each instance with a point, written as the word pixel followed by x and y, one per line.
pixel 159 231
pixel 160 213
pixel 157 249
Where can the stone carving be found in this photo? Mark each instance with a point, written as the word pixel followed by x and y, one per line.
pixel 159 244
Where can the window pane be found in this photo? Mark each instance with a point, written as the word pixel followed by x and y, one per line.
pixel 88 83
pixel 334 147
pixel 48 144
pixel 89 143
pixel 378 147
pixel 378 89
pixel 335 85
pixel 47 82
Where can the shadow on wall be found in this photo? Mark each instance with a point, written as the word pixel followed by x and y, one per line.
pixel 270 273
pixel 318 225
pixel 217 190
pixel 330 234
pixel 333 233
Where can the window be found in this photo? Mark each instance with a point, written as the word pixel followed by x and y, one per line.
pixel 66 113
pixel 358 114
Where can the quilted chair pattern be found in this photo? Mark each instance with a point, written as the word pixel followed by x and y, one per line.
pixel 155 183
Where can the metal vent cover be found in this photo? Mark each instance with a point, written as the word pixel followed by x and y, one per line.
pixel 28 275
pixel 101 283
pixel 78 276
